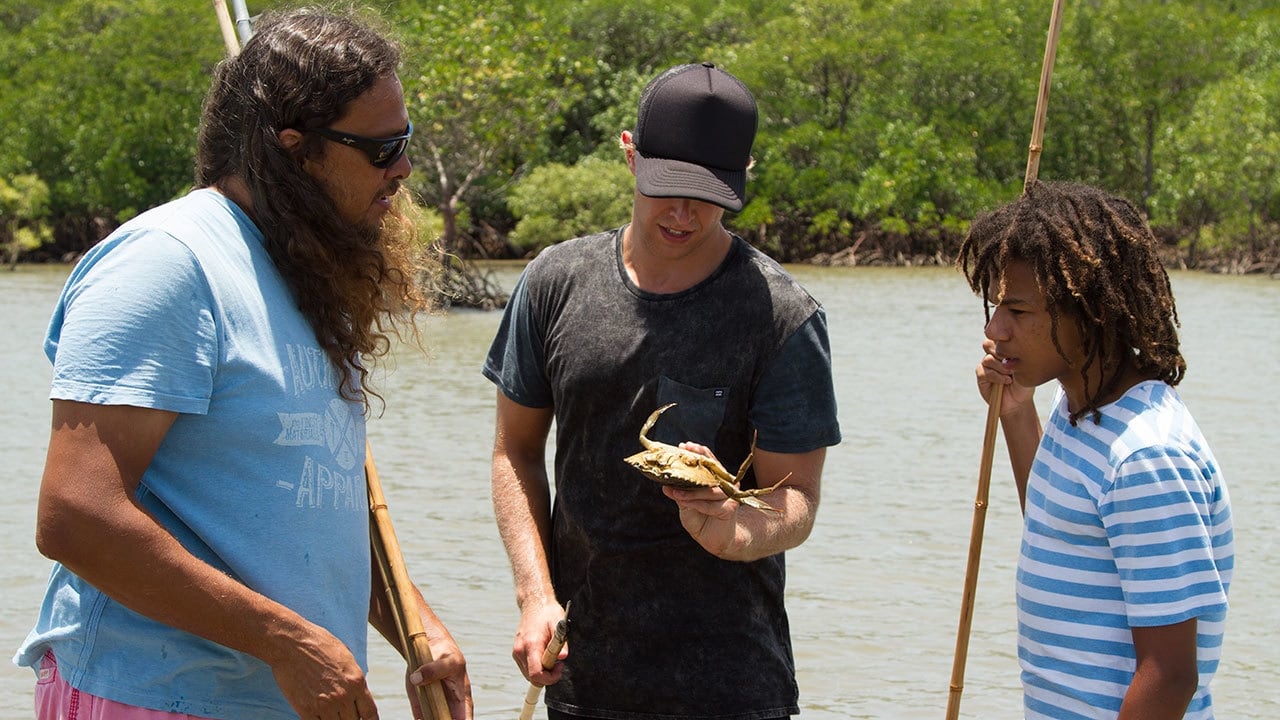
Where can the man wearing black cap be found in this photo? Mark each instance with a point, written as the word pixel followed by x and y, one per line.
pixel 677 594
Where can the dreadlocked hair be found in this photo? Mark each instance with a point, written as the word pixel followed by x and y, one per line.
pixel 301 69
pixel 1094 257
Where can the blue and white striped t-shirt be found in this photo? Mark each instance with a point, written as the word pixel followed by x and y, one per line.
pixel 1128 524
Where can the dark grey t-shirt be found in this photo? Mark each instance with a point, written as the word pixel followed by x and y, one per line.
pixel 660 627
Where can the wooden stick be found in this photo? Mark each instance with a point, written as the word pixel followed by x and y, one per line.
pixel 400 594
pixel 975 553
pixel 549 657
pixel 997 395
pixel 228 30
pixel 1042 99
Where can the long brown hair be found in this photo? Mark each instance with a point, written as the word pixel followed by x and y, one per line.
pixel 301 69
pixel 1095 259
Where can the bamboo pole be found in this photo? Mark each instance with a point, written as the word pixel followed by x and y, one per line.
pixel 1042 99
pixel 549 657
pixel 228 30
pixel 997 394
pixel 400 594
pixel 975 553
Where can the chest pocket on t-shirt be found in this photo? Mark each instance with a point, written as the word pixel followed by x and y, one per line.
pixel 697 416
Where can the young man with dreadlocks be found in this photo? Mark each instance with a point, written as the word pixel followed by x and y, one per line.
pixel 204 496
pixel 1127 543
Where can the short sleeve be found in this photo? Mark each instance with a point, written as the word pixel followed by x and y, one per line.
pixel 516 360
pixel 1158 521
pixel 135 326
pixel 794 407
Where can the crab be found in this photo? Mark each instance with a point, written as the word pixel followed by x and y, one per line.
pixel 677 467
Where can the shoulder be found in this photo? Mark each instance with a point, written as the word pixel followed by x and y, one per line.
pixel 178 231
pixel 760 285
pixel 586 247
pixel 1151 415
pixel 776 277
pixel 1153 439
pixel 571 261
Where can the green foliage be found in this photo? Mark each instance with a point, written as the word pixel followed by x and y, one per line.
pixel 1129 70
pixel 24 211
pixel 24 198
pixel 1228 154
pixel 876 114
pixel 903 116
pixel 621 44
pixel 557 202
pixel 104 98
pixel 484 81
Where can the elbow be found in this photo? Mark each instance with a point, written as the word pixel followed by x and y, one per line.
pixel 1183 684
pixel 1175 682
pixel 65 530
pixel 53 540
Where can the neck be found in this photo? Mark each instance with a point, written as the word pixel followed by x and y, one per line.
pixel 658 273
pixel 1124 377
pixel 235 190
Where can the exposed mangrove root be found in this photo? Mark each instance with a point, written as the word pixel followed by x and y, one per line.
pixel 457 282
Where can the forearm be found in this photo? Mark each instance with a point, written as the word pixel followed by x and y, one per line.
pixel 138 563
pixel 1022 438
pixel 382 618
pixel 734 531
pixel 760 534
pixel 522 508
pixel 1156 696
pixel 521 497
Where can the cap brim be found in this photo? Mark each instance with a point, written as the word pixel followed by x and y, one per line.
pixel 660 177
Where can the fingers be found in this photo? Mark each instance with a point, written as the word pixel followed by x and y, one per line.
pixel 697 448
pixel 458 694
pixel 994 364
pixel 711 502
pixel 537 627
pixel 446 661
pixel 991 371
pixel 455 683
pixel 365 709
pixel 322 680
pixel 341 705
pixel 540 675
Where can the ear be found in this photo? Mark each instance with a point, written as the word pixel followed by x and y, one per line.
pixel 291 139
pixel 628 149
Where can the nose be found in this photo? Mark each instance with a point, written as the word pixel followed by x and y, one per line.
pixel 997 329
pixel 400 169
pixel 682 208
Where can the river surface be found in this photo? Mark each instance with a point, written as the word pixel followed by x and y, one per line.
pixel 874 595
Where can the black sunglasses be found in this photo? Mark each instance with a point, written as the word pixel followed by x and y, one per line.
pixel 382 152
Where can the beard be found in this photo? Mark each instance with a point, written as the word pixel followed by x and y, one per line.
pixel 399 227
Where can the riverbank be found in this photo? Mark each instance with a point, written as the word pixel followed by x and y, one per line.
pixel 879 250
pixel 1233 262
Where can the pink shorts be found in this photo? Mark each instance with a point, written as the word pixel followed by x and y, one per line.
pixel 57 700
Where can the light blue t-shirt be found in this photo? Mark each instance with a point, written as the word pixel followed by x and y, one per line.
pixel 1128 524
pixel 261 474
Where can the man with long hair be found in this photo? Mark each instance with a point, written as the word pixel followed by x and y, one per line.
pixel 1127 545
pixel 204 496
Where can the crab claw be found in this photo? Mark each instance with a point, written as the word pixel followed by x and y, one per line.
pixel 648 424
pixel 759 504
